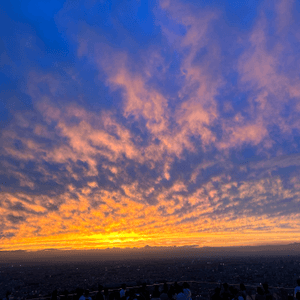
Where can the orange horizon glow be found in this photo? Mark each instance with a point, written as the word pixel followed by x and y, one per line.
pixel 134 240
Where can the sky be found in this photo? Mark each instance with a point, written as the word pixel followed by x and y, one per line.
pixel 161 123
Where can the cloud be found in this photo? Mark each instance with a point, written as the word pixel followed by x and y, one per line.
pixel 190 139
pixel 262 68
pixel 278 162
pixel 15 219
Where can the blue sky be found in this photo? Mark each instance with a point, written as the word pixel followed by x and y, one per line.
pixel 143 119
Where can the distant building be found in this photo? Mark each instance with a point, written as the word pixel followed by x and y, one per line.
pixel 221 267
pixel 209 266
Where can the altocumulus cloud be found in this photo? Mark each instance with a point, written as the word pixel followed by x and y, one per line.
pixel 180 132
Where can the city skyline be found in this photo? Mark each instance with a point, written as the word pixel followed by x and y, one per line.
pixel 161 123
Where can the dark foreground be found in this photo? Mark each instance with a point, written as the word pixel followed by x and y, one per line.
pixel 38 280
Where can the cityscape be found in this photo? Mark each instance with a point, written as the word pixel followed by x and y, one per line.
pixel 29 280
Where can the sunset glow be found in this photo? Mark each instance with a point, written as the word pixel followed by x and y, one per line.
pixel 160 123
